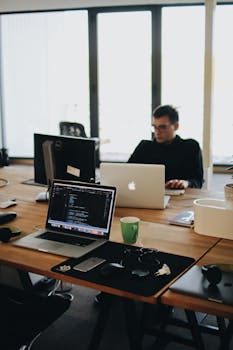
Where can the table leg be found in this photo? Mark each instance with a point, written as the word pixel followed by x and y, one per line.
pixel 195 330
pixel 101 321
pixel 225 340
pixel 132 324
pixel 221 327
pixel 131 321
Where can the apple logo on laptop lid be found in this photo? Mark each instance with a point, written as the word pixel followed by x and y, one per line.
pixel 132 186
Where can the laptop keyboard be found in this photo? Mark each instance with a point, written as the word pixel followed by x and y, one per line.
pixel 79 241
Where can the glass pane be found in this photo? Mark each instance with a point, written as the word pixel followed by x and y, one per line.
pixel 124 76
pixel 223 88
pixel 183 35
pixel 45 75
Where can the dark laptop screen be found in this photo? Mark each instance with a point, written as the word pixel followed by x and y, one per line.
pixel 81 208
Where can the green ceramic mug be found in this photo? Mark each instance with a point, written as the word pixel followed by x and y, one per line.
pixel 129 229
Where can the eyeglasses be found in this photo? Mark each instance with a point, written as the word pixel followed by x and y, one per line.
pixel 161 127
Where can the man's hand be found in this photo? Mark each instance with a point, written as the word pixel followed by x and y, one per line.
pixel 177 184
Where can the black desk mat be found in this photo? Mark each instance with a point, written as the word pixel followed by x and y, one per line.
pixel 128 255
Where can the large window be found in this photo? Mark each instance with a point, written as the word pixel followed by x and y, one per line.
pixel 45 75
pixel 183 34
pixel 124 81
pixel 223 85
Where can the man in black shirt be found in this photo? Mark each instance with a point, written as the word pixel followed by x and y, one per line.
pixel 182 157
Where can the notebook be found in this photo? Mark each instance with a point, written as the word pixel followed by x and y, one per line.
pixel 138 185
pixel 78 220
pixel 195 284
pixel 185 218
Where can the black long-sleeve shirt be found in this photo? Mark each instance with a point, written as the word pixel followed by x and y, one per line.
pixel 182 159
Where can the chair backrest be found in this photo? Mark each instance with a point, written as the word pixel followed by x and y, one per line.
pixel 72 129
pixel 25 314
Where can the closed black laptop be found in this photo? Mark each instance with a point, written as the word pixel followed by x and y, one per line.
pixel 79 219
pixel 195 284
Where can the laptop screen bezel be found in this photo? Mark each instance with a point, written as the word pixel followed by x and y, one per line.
pixel 77 232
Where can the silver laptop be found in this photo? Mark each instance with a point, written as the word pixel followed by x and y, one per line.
pixel 138 185
pixel 79 219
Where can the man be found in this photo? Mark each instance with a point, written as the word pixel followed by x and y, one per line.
pixel 182 158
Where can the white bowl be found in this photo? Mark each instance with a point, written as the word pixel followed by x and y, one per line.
pixel 212 218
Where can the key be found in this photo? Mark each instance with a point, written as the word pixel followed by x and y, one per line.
pixel 165 270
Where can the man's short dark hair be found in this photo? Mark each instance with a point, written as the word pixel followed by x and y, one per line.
pixel 166 110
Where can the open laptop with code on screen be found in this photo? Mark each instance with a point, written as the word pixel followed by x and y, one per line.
pixel 79 219
pixel 138 185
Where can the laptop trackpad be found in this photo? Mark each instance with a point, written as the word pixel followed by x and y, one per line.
pixel 50 245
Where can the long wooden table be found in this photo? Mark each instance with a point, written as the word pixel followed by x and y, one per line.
pixel 154 229
pixel 155 232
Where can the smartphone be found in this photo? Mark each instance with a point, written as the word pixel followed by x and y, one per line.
pixel 89 264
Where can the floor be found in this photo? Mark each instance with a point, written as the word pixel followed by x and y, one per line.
pixel 73 330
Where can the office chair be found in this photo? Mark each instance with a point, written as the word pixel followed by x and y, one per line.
pixel 28 281
pixel 72 129
pixel 24 315
pixel 78 130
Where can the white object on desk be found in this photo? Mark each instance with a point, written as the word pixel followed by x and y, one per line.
pixel 42 196
pixel 174 192
pixel 212 218
pixel 7 204
pixel 228 190
pixel 185 218
pixel 7 201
